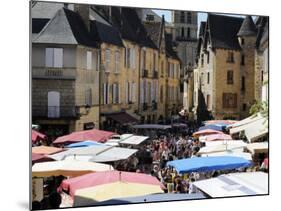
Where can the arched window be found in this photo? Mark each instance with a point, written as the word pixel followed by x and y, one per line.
pixel 53 104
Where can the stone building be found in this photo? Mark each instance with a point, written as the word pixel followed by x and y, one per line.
pixel 65 72
pixel 184 32
pixel 165 95
pixel 225 72
pixel 262 59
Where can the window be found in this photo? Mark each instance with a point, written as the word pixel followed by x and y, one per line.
pixel 134 92
pixel 202 60
pixel 188 32
pixel 208 78
pixel 230 57
pixel 229 100
pixel 242 41
pixel 242 59
pixel 262 73
pixel 53 104
pixel 88 97
pixel 182 32
pixel 208 57
pixel 96 60
pixel 229 77
pixel 243 84
pixel 244 106
pixel 128 57
pixel 149 17
pixel 117 62
pixel 154 61
pixel 54 57
pixel 105 93
pixel 89 60
pixel 107 60
pixel 162 68
pixel 115 93
pixel 161 94
pixel 182 17
pixel 189 17
pixel 208 102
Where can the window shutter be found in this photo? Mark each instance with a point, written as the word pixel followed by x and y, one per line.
pixel 141 92
pixel 113 93
pixel 58 57
pixel 108 91
pixel 89 60
pixel 125 58
pixel 49 55
pixel 119 93
pixel 131 91
pixel 104 93
pixel 134 92
pixel 156 94
pixel 126 91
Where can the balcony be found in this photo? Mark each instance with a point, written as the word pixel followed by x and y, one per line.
pixel 54 73
pixel 55 112
pixel 144 73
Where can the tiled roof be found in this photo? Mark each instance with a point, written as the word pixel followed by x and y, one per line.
pixel 248 27
pixel 223 31
pixel 66 27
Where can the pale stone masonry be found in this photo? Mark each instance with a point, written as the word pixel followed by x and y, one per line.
pixel 225 72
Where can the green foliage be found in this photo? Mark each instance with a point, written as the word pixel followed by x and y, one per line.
pixel 260 107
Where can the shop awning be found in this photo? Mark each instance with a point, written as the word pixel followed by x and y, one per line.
pixel 122 118
pixel 239 147
pixel 235 184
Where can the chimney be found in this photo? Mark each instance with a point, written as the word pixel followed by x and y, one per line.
pixel 83 11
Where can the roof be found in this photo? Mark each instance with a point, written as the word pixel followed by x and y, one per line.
pixel 105 33
pixel 235 184
pixel 45 9
pixel 169 47
pixel 153 29
pixel 66 27
pixel 38 24
pixel 262 28
pixel 248 27
pixel 224 37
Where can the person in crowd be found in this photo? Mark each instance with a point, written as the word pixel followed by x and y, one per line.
pixel 192 188
pixel 55 200
pixel 36 205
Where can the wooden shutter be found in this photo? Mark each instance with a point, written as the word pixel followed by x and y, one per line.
pixel 58 57
pixel 49 56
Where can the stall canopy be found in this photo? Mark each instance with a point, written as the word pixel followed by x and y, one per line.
pixel 114 190
pixel 244 155
pixel 161 197
pixel 152 126
pixel 36 136
pixel 67 168
pixel 215 137
pixel 225 142
pixel 235 184
pixel 258 147
pixel 239 147
pixel 223 122
pixel 245 123
pixel 95 153
pixel 86 135
pixel 212 127
pixel 46 150
pixel 84 144
pixel 106 177
pixel 206 132
pixel 38 158
pixel 205 164
pixel 134 140
pixel 257 130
